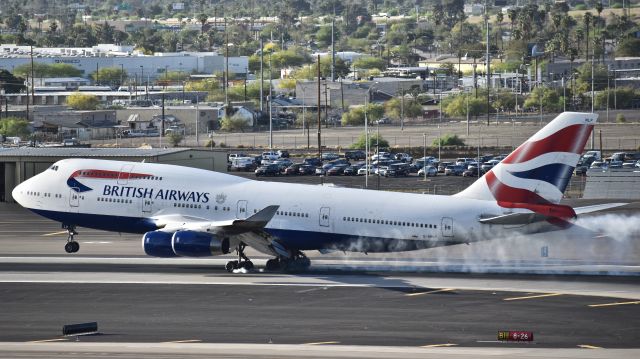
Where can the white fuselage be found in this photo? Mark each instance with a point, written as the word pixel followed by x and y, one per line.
pixel 96 194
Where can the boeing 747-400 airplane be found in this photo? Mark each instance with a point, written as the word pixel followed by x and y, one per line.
pixel 194 213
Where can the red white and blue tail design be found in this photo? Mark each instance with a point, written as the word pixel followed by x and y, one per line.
pixel 535 175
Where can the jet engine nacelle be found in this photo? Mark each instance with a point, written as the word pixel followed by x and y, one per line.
pixel 198 244
pixel 158 244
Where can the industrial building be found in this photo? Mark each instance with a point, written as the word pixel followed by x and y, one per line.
pixel 20 164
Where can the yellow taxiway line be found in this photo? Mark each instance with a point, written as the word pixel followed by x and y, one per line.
pixel 534 296
pixel 430 292
pixel 321 343
pixel 612 304
pixel 49 340
pixel 185 341
pixel 54 233
pixel 586 346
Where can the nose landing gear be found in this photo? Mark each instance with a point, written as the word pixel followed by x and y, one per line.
pixel 71 246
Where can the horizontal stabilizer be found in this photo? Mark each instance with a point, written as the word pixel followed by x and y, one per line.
pixel 597 207
pixel 514 219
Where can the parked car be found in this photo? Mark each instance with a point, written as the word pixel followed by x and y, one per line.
pixel 397 170
pixel 283 153
pixel 581 170
pixel 381 156
pixel 293 170
pixel 443 165
pixel 472 171
pixel 329 156
pixel 353 169
pixel 243 164
pixel 268 170
pixel 313 161
pixel 283 163
pixel 307 169
pixel 355 155
pixel 270 156
pixel 337 170
pixel 430 170
pixel 487 166
pixel 364 170
pixel 464 161
pixel 453 170
pixel 404 157
pixel 384 121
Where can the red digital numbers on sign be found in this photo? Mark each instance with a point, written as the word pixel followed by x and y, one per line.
pixel 515 336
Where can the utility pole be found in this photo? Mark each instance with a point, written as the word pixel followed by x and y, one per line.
pixel 270 109
pixel 226 59
pixel 33 81
pixel 486 19
pixel 319 126
pixel 261 74
pixel 333 50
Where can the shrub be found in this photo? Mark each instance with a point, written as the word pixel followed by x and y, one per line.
pixel 174 139
pixel 620 118
pixel 211 143
pixel 373 139
pixel 448 140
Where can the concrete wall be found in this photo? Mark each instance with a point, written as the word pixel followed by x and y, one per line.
pixel 613 184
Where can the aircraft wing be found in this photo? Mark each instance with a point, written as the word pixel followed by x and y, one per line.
pixel 257 222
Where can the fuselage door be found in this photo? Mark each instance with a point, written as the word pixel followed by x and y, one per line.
pixel 447 227
pixel 123 175
pixel 74 198
pixel 325 213
pixel 147 205
pixel 241 211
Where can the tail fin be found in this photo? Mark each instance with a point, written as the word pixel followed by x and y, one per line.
pixel 537 172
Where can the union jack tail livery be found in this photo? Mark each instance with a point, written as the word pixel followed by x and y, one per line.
pixel 535 175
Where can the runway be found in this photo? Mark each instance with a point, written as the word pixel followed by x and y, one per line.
pixel 430 304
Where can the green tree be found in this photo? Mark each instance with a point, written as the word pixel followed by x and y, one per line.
pixel 113 76
pixel 551 100
pixel 374 140
pixel 457 105
pixel 234 123
pixel 14 126
pixel 46 70
pixel 355 116
pixel 394 108
pixel 174 138
pixel 369 63
pixel 10 83
pixel 80 101
pixel 622 96
pixel 629 47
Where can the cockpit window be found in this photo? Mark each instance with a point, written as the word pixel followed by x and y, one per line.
pixel 53 167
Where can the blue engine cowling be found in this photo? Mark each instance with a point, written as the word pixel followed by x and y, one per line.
pixel 158 244
pixel 198 244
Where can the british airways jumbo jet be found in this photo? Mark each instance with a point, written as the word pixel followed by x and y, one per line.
pixel 194 213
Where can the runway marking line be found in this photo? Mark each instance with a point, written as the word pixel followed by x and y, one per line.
pixel 430 292
pixel 49 340
pixel 184 341
pixel 586 346
pixel 439 345
pixel 612 304
pixel 321 343
pixel 534 296
pixel 54 233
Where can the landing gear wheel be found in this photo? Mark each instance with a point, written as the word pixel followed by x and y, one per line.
pixel 71 246
pixel 273 264
pixel 242 262
pixel 231 266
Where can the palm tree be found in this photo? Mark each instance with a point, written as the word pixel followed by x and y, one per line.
pixel 587 21
pixel 203 18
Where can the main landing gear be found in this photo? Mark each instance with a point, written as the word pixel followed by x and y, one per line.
pixel 71 246
pixel 296 263
pixel 242 262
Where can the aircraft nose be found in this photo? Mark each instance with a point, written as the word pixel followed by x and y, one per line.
pixel 18 193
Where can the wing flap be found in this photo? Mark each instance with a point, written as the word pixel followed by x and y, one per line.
pixel 597 207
